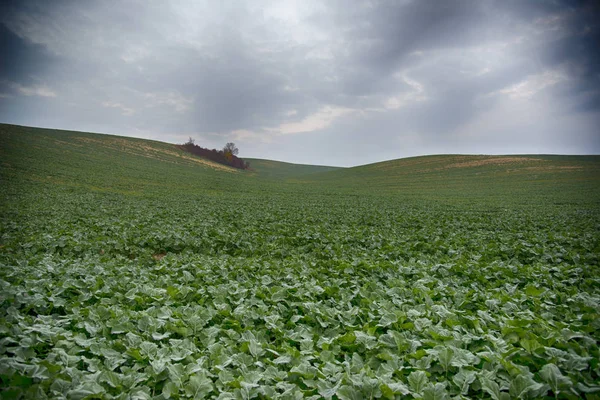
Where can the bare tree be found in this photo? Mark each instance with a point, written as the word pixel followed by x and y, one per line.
pixel 231 149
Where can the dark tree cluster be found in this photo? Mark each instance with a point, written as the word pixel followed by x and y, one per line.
pixel 227 156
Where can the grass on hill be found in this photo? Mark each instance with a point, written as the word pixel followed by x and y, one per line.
pixel 129 269
pixel 284 170
pixel 137 166
pixel 475 177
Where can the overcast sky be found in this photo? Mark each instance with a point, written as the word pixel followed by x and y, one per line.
pixel 343 82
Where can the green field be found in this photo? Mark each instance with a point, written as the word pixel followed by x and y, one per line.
pixel 283 170
pixel 132 270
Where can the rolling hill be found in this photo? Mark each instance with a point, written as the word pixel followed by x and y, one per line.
pixel 284 170
pixel 131 269
pixel 475 176
pixel 105 162
pixel 137 166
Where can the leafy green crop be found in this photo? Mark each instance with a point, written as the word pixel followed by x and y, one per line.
pixel 293 293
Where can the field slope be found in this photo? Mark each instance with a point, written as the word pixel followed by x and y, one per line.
pixel 503 177
pixel 129 269
pixel 136 166
pixel 104 162
pixel 283 170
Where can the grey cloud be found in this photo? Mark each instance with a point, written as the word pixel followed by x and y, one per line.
pixel 422 70
pixel 384 32
pixel 21 59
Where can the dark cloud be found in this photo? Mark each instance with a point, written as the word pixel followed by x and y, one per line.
pixel 22 61
pixel 380 79
pixel 382 33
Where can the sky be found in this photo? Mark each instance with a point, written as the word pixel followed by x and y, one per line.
pixel 339 82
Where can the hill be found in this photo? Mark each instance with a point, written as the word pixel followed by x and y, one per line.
pixel 474 176
pixel 136 166
pixel 283 170
pixel 130 269
pixel 105 162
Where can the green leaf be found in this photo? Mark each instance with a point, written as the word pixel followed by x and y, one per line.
pixel 417 381
pixel 177 374
pixel 327 389
pixel 255 348
pixel 367 340
pixel 435 392
pixel 199 386
pixel 84 390
pixel 445 355
pixel 158 365
pixel 388 319
pixel 553 377
pixel 398 388
pixel 110 378
pixel 463 379
pixel 464 358
pixel 491 388
pixel 587 388
pixel 160 336
pixel 357 363
pixel 282 360
pixel 169 389
pixel 534 291
pixel 522 385
pixel 531 345
pixel 348 393
pixel 304 369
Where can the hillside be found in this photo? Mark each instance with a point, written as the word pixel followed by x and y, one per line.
pixel 284 170
pixel 474 176
pixel 105 162
pixel 136 166
pixel 130 269
pixel 123 164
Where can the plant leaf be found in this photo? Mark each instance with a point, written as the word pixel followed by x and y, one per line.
pixel 435 392
pixel 463 379
pixel 522 385
pixel 417 381
pixel 551 374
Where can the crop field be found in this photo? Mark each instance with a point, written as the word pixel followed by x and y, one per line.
pixel 130 270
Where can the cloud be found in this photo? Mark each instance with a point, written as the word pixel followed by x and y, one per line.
pixel 124 110
pixel 416 94
pixel 179 102
pixel 306 74
pixel 533 84
pixel 313 122
pixel 42 90
pixel 39 90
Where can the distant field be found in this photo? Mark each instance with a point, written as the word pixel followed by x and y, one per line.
pixel 283 170
pixel 490 178
pixel 130 269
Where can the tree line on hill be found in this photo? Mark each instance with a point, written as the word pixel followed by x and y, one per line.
pixel 226 156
